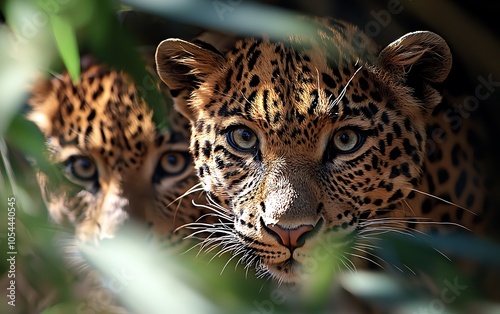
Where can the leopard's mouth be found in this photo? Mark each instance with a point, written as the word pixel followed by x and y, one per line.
pixel 290 271
pixel 298 268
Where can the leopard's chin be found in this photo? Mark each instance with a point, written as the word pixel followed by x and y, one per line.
pixel 290 271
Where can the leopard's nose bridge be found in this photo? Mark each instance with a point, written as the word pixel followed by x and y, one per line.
pixel 113 211
pixel 292 201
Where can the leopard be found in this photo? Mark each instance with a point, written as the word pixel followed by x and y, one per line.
pixel 112 169
pixel 117 165
pixel 325 135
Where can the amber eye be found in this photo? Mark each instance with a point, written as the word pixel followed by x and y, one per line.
pixel 173 162
pixel 242 139
pixel 347 140
pixel 81 168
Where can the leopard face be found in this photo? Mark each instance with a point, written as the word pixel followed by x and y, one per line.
pixel 113 165
pixel 307 138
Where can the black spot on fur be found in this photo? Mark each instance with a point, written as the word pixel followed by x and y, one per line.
pixel 397 129
pixel 395 153
pixel 69 108
pixel 314 102
pixel 470 200
pixel 373 108
pixel 91 115
pixel 460 184
pixel 253 59
pixel 263 207
pixel 376 97
pixel 228 81
pixel 443 175
pixel 389 139
pixel 430 182
pixel 405 169
pixel 407 124
pixel 426 206
pixel 196 150
pixel 358 98
pixel 254 81
pixel 445 217
pixel 435 155
pixel 385 118
pixel 375 161
pixel 329 81
pixel 88 131
pixel 455 151
pixel 219 163
pixel 103 135
pixel 363 84
pixel 97 93
pixel 381 147
pixel 138 146
pixel 409 149
pixel 394 172
pixel 201 172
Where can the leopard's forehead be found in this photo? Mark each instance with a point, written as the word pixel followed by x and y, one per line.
pixel 298 87
pixel 102 114
pixel 107 103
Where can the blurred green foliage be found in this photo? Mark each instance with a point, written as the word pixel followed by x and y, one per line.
pixel 49 35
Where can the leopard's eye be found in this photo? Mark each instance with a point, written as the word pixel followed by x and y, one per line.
pixel 347 141
pixel 242 139
pixel 173 162
pixel 81 168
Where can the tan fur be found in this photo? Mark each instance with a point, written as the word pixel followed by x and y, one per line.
pixel 124 144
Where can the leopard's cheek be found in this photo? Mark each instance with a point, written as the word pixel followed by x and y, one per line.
pixel 247 221
pixel 387 173
pixel 202 160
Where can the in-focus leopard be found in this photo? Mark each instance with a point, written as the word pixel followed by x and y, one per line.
pixel 325 135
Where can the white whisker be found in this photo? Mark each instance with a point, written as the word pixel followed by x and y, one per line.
pixel 367 259
pixel 195 188
pixel 407 267
pixel 443 200
pixel 337 100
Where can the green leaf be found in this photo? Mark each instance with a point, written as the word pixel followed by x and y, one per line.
pixel 61 308
pixel 67 45
pixel 25 136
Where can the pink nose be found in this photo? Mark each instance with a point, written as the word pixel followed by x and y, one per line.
pixel 291 237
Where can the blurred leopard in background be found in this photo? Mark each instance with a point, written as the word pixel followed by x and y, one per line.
pixel 117 163
pixel 113 165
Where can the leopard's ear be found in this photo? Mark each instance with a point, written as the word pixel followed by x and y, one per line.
pixel 419 60
pixel 183 65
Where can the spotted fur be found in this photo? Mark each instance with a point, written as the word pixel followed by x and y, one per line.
pixel 114 164
pixel 270 124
